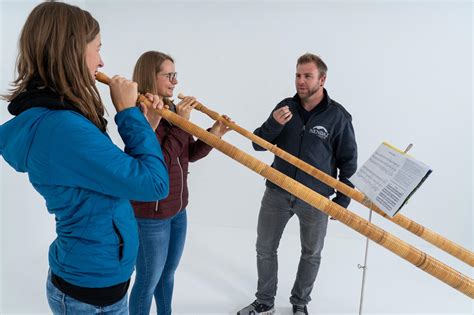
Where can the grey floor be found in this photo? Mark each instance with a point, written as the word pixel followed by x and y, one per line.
pixel 217 275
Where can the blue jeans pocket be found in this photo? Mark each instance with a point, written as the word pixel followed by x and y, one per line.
pixel 55 297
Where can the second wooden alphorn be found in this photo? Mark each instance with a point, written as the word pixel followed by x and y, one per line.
pixel 428 235
pixel 425 262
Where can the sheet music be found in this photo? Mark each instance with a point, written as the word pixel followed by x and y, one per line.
pixel 390 177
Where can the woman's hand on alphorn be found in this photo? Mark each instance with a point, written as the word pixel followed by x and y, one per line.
pixel 151 111
pixel 219 128
pixel 185 107
pixel 123 92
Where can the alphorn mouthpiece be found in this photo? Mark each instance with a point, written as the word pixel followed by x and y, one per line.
pixel 103 78
pixel 197 106
pixel 99 76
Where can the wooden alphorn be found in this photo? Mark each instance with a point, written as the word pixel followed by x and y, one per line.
pixel 425 262
pixel 428 235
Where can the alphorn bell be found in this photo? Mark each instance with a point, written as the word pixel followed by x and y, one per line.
pixel 436 239
pixel 413 255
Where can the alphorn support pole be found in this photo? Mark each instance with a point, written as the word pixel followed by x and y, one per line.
pixel 428 235
pixel 425 262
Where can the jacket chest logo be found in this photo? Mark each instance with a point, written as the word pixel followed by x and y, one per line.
pixel 320 131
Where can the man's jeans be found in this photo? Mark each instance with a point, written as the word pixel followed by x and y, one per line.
pixel 276 209
pixel 62 304
pixel 161 246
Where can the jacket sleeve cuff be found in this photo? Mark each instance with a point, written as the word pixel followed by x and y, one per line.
pixel 273 125
pixel 341 200
pixel 136 132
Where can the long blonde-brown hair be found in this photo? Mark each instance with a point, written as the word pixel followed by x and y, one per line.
pixel 52 49
pixel 146 68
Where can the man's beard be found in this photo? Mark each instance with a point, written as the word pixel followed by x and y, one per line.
pixel 309 93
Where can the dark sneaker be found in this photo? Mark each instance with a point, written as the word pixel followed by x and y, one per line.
pixel 257 309
pixel 300 310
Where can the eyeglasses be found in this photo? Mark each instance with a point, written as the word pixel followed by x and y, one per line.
pixel 170 75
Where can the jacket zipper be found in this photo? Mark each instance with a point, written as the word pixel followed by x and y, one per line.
pixel 293 198
pixel 299 148
pixel 181 169
pixel 182 184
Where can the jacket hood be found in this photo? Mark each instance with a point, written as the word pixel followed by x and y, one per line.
pixel 37 95
pixel 17 134
pixel 16 137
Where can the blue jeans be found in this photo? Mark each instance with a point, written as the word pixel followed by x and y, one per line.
pixel 276 210
pixel 161 246
pixel 62 304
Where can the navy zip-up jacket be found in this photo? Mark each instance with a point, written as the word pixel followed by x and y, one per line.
pixel 326 141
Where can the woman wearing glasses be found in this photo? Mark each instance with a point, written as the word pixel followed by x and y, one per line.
pixel 162 225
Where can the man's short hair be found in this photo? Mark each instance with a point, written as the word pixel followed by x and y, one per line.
pixel 307 58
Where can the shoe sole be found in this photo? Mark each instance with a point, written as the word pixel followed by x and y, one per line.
pixel 270 312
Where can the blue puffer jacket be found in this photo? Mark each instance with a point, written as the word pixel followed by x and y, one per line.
pixel 87 183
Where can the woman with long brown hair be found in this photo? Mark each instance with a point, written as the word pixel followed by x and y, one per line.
pixel 59 138
pixel 162 224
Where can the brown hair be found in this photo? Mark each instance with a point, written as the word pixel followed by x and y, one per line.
pixel 307 58
pixel 146 68
pixel 52 49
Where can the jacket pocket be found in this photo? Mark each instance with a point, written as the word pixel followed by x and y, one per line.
pixel 120 239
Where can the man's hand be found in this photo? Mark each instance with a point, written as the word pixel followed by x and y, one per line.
pixel 282 115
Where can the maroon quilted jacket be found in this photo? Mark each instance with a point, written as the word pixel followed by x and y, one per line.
pixel 179 148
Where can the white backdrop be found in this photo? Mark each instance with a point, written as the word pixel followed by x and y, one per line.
pixel 402 69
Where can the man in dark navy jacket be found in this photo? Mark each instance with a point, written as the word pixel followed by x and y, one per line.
pixel 318 130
